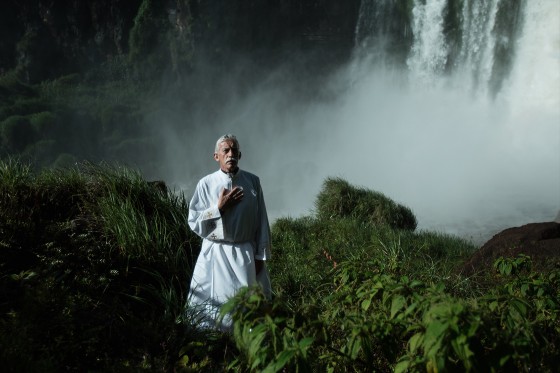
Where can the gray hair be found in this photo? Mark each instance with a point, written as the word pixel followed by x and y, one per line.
pixel 225 138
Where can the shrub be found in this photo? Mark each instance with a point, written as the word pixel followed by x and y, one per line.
pixel 23 106
pixel 17 132
pixel 94 268
pixel 43 122
pixel 375 321
pixel 316 246
pixel 339 199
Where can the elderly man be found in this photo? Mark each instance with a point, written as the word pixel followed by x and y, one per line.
pixel 227 210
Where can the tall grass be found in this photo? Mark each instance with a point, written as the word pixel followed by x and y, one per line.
pixel 95 264
pixel 355 294
pixel 316 246
pixel 339 199
pixel 94 258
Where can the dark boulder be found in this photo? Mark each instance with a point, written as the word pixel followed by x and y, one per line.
pixel 540 241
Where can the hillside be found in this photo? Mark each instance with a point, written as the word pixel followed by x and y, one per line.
pixel 95 262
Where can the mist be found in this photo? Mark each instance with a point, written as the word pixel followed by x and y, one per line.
pixel 465 161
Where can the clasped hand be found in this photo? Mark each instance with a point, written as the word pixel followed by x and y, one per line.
pixel 228 198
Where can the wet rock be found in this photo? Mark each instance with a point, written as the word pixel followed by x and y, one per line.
pixel 540 241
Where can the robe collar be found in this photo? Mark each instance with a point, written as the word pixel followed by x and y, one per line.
pixel 230 174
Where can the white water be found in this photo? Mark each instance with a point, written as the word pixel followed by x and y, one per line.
pixel 429 50
pixel 478 43
pixel 464 163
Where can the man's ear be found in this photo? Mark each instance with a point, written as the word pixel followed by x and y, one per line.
pixel 216 157
pixel 239 156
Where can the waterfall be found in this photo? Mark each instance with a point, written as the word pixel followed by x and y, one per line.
pixel 429 53
pixel 463 123
pixel 534 81
pixel 382 31
pixel 472 43
pixel 478 42
pixel 450 107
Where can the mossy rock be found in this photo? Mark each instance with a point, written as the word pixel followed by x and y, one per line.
pixel 339 199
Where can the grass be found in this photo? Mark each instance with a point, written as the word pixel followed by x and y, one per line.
pixel 110 257
pixel 95 264
pixel 339 199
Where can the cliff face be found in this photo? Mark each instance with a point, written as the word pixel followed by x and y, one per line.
pixel 273 25
pixel 45 38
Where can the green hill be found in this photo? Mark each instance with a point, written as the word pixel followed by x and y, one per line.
pixel 95 264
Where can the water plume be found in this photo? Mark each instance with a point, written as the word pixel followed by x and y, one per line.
pixel 468 139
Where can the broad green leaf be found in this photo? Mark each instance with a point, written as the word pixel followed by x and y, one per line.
pixel 396 305
pixel 433 337
pixel 402 366
pixel 504 360
pixel 283 358
pixel 415 341
pixel 519 306
pixel 365 304
pixel 355 347
pixel 254 298
pixel 256 363
pixel 410 308
pixel 305 342
pixel 183 361
pixel 461 347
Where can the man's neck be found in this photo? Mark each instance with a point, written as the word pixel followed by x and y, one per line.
pixel 233 172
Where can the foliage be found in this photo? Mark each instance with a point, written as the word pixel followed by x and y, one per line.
pixel 94 266
pixel 269 338
pixel 95 262
pixel 66 119
pixel 16 133
pixel 370 298
pixel 316 246
pixel 375 321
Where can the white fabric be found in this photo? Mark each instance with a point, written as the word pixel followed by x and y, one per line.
pixel 231 242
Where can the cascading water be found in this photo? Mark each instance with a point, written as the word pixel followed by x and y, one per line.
pixel 451 108
pixel 534 82
pixel 480 105
pixel 429 53
pixel 479 42
pixel 471 41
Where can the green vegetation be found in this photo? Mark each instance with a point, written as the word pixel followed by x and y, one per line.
pixel 74 118
pixel 339 199
pixel 95 261
pixel 95 264
pixel 59 106
pixel 389 300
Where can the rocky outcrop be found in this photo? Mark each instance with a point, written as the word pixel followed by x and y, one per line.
pixel 540 241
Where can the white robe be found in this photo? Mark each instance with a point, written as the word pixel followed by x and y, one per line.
pixel 232 240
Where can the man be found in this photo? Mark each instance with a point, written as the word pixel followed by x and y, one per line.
pixel 227 210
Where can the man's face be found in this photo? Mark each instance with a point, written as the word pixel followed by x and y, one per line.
pixel 228 155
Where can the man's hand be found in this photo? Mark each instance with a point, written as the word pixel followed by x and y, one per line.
pixel 229 198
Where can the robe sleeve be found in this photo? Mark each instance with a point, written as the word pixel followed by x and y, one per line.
pixel 204 216
pixel 263 229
